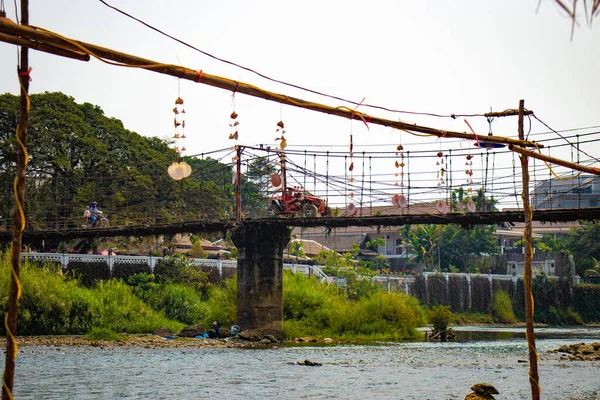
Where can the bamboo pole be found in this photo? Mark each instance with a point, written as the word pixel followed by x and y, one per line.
pixel 554 160
pixel 527 274
pixel 43 47
pixel 199 76
pixel 8 376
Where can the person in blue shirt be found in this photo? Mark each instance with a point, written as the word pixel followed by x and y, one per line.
pixel 214 332
pixel 93 213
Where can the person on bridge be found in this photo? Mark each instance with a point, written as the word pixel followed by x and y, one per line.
pixel 93 213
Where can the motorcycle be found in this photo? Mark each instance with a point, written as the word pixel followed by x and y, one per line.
pixel 101 220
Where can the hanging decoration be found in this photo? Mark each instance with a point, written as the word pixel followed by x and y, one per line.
pixel 281 131
pixel 179 125
pixel 441 206
pixel 469 172
pixel 179 169
pixel 276 179
pixel 233 123
pixel 351 208
pixel 399 200
pixel 234 134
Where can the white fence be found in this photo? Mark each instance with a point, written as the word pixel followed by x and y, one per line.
pixel 111 260
pixel 403 281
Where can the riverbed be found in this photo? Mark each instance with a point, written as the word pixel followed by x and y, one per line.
pixel 406 370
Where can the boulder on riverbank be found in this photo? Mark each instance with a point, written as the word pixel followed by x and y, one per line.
pixel 251 335
pixel 580 351
pixel 482 391
pixel 192 331
pixel 162 332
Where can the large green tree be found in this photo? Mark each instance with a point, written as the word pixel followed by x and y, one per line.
pixel 77 154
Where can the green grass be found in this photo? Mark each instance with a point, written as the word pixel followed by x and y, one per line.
pixel 502 308
pixel 312 308
pixel 52 304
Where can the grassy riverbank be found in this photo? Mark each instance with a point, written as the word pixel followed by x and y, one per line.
pixel 54 304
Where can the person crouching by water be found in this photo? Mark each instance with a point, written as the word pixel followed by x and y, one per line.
pixel 214 332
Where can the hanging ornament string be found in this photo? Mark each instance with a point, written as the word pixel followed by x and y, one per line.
pixel 179 122
pixel 471 206
pixel 233 122
pixel 280 130
pixel 179 169
pixel 399 200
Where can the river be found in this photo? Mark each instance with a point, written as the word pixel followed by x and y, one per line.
pixel 407 370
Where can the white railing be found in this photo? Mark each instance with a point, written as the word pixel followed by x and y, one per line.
pixel 111 260
pixel 397 280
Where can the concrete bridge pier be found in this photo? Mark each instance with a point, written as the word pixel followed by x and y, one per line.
pixel 260 276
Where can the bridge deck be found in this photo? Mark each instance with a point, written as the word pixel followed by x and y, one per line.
pixel 208 226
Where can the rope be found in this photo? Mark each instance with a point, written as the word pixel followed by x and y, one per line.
pixel 20 225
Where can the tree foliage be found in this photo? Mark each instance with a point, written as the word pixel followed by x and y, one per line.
pixel 583 244
pixel 77 154
pixel 448 245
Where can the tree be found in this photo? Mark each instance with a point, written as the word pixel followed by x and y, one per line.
pixel 459 244
pixel 422 242
pixel 459 199
pixel 547 244
pixel 296 248
pixel 77 154
pixel 256 184
pixel 584 245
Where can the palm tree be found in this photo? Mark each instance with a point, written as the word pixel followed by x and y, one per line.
pixel 422 242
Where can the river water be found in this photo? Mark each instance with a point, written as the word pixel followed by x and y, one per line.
pixel 407 370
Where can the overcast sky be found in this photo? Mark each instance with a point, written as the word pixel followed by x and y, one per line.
pixel 461 57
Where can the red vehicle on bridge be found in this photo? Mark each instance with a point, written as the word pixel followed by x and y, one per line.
pixel 293 201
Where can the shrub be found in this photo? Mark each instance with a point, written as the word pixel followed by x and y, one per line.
pixel 502 308
pixel 304 298
pixel 440 317
pixel 181 269
pixel 178 302
pixel 314 308
pixel 383 315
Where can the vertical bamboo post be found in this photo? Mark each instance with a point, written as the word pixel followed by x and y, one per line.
pixel 283 172
pixel 10 319
pixel 528 236
pixel 238 188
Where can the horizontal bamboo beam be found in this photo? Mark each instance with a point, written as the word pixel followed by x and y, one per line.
pixel 43 47
pixel 507 113
pixel 554 160
pixel 44 36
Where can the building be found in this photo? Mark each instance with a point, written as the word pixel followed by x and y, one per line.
pixel 508 236
pixel 579 192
